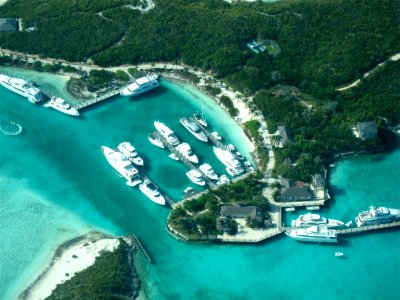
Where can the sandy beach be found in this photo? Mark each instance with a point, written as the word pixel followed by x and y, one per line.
pixel 70 258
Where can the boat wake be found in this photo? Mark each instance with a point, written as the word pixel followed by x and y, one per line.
pixel 10 128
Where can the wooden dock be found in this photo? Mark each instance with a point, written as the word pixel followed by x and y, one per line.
pixel 367 228
pixel 183 159
pixel 98 98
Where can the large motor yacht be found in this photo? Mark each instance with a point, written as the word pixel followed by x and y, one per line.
pixel 208 171
pixel 315 220
pixel 62 106
pixel 194 129
pixel 187 152
pixel 166 133
pixel 124 167
pixel 377 215
pixel 229 160
pixel 195 177
pixel 22 87
pixel 130 153
pixel 319 234
pixel 150 190
pixel 140 86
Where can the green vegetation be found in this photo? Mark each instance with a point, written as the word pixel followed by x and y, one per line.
pixel 122 76
pixel 112 276
pixel 262 152
pixel 228 104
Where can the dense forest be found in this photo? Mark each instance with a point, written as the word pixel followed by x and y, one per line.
pixel 110 277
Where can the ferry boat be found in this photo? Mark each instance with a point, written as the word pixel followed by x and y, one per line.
pixel 315 220
pixel 187 152
pixel 319 234
pixel 208 171
pixel 194 129
pixel 150 190
pixel 124 167
pixel 62 106
pixel 195 177
pixel 167 133
pixel 130 153
pixel 229 160
pixel 22 87
pixel 223 179
pixel 377 215
pixel 140 86
pixel 155 141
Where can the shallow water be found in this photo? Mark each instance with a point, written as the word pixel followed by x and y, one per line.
pixel 56 184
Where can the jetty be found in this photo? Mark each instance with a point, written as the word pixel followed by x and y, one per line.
pixel 137 242
pixel 98 98
pixel 368 228
pixel 183 159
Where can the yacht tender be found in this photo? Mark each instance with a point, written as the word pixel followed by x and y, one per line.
pixel 124 167
pixel 315 220
pixel 130 153
pixel 150 190
pixel 377 215
pixel 22 87
pixel 187 152
pixel 208 171
pixel 167 133
pixel 196 177
pixel 62 106
pixel 194 129
pixel 140 86
pixel 319 234
pixel 229 160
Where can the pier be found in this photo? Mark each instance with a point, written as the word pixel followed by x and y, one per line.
pixel 98 99
pixel 367 228
pixel 183 159
pixel 298 203
pixel 136 241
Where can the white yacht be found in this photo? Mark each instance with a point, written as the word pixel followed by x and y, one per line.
pixel 124 167
pixel 187 152
pixel 173 156
pixel 22 87
pixel 140 86
pixel 223 179
pixel 315 220
pixel 130 153
pixel 229 160
pixel 150 190
pixel 155 141
pixel 377 215
pixel 194 129
pixel 208 171
pixel 319 234
pixel 312 207
pixel 196 177
pixel 216 135
pixel 62 106
pixel 200 118
pixel 167 133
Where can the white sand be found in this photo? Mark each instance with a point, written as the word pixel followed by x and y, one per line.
pixel 66 263
pixel 3 2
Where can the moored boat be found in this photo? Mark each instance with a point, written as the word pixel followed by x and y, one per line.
pixel 339 254
pixel 196 177
pixel 173 156
pixel 229 160
pixel 208 171
pixel 151 191
pixel 223 179
pixel 377 215
pixel 155 141
pixel 315 220
pixel 312 207
pixel 319 234
pixel 216 135
pixel 22 87
pixel 167 133
pixel 194 129
pixel 200 118
pixel 187 152
pixel 62 106
pixel 290 209
pixel 124 167
pixel 130 153
pixel 140 86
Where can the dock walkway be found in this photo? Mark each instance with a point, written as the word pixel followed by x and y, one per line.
pixel 298 203
pixel 367 228
pixel 98 99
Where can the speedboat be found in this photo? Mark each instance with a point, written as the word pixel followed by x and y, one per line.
pixel 187 152
pixel 130 153
pixel 62 106
pixel 223 179
pixel 216 135
pixel 377 215
pixel 315 220
pixel 319 234
pixel 124 167
pixel 339 254
pixel 22 87
pixel 208 171
pixel 196 177
pixel 229 160
pixel 173 156
pixel 166 133
pixel 194 129
pixel 140 86
pixel 150 190
pixel 155 141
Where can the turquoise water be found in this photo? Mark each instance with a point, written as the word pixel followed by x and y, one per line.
pixel 56 184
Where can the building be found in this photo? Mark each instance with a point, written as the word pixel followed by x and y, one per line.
pixel 366 130
pixel 256 47
pixel 240 212
pixel 8 25
pixel 285 136
pixel 294 191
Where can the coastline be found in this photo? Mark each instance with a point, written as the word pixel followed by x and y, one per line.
pixel 81 250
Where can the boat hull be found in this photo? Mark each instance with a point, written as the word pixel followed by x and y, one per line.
pixel 159 200
pixel 185 122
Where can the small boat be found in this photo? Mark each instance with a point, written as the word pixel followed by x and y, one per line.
pixel 189 192
pixel 231 148
pixel 348 223
pixel 338 254
pixel 130 153
pixel 290 209
pixel 173 156
pixel 239 155
pixel 155 141
pixel 200 119
pixel 62 106
pixel 187 152
pixel 223 179
pixel 247 164
pixel 208 171
pixel 216 135
pixel 196 177
pixel 150 190
pixel 312 207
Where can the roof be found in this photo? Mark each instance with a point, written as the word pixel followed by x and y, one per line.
pixel 284 132
pixel 367 128
pixel 240 211
pixel 296 192
pixel 8 24
pixel 286 183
